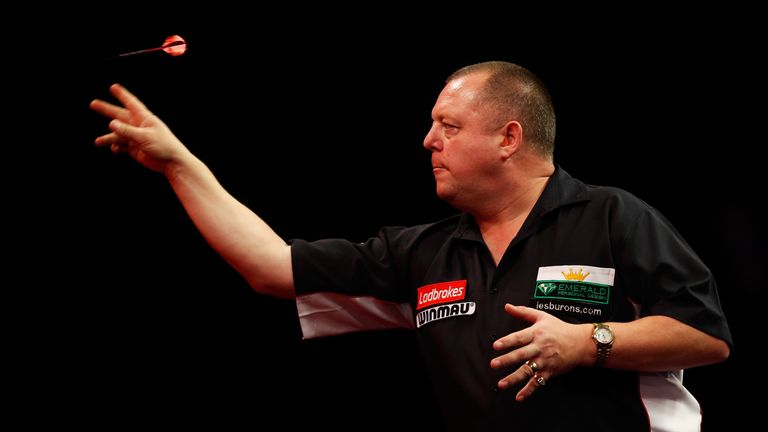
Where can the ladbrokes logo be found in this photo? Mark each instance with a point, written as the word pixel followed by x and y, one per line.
pixel 443 292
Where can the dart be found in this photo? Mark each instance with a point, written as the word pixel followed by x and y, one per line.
pixel 174 45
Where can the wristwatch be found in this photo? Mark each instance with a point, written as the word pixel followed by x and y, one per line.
pixel 603 337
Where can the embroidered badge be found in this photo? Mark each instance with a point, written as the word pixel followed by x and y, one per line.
pixel 578 283
pixel 442 300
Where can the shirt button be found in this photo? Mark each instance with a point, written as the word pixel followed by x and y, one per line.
pixel 494 290
pixel 493 337
pixel 496 389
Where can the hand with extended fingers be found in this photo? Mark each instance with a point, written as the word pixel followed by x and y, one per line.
pixel 138 132
pixel 549 347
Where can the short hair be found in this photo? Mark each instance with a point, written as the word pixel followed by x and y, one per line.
pixel 512 92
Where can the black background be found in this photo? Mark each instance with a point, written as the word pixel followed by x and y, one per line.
pixel 314 118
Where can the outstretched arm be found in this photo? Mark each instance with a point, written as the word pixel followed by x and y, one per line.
pixel 235 232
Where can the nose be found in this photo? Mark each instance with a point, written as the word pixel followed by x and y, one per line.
pixel 432 140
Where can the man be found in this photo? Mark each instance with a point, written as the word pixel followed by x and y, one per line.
pixel 582 301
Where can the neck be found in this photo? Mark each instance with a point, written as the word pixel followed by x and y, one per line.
pixel 517 200
pixel 500 223
pixel 517 207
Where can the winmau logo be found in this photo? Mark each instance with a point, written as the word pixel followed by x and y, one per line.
pixel 446 311
pixel 443 292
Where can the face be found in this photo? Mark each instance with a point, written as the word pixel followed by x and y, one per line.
pixel 465 150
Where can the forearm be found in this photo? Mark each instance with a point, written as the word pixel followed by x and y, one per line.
pixel 658 343
pixel 242 238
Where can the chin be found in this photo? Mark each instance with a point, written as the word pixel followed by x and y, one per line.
pixel 445 195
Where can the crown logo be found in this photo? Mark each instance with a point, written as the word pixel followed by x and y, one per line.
pixel 571 275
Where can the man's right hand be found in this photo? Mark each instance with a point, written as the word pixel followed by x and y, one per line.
pixel 138 132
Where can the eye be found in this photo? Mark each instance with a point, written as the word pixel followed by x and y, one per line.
pixel 450 128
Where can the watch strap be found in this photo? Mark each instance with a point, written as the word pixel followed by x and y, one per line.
pixel 603 349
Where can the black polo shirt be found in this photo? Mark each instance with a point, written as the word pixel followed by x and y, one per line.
pixel 584 254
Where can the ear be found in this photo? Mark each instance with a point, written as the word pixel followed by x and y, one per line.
pixel 513 139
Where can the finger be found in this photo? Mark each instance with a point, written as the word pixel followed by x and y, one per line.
pixel 531 387
pixel 519 375
pixel 513 340
pixel 130 101
pixel 109 110
pixel 532 365
pixel 105 140
pixel 524 313
pixel 515 357
pixel 125 131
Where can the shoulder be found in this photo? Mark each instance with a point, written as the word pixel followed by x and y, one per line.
pixel 616 206
pixel 629 216
pixel 617 198
pixel 393 237
pixel 439 230
pixel 565 190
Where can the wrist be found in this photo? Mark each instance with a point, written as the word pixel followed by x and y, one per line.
pixel 603 338
pixel 180 165
pixel 588 351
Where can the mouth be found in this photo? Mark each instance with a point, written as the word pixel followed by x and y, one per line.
pixel 438 171
pixel 437 166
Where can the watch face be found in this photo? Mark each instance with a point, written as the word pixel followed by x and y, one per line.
pixel 603 335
